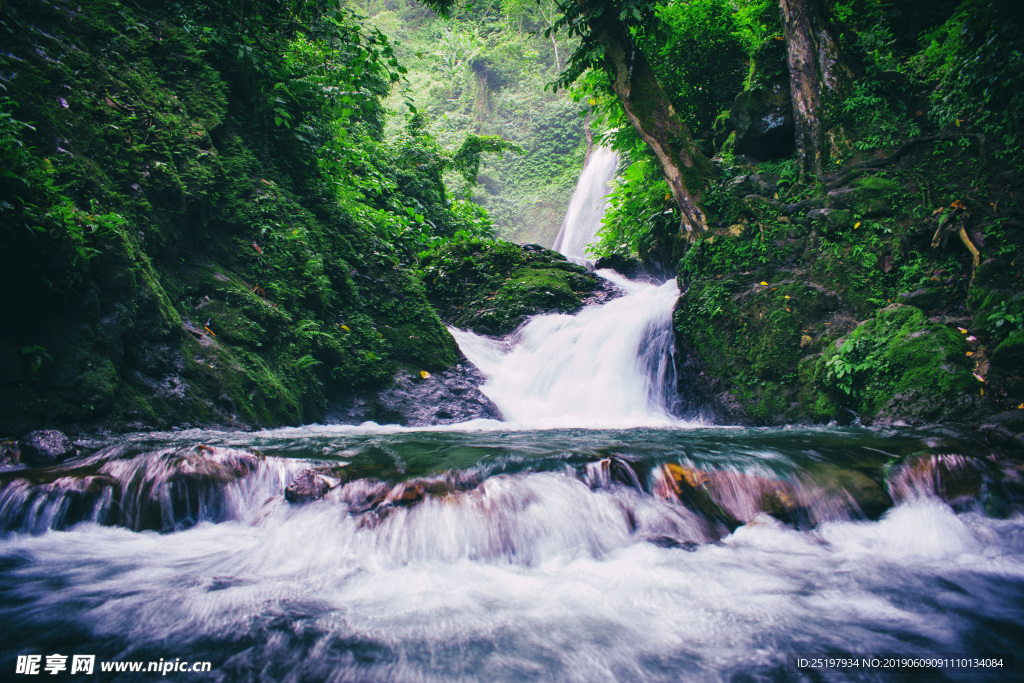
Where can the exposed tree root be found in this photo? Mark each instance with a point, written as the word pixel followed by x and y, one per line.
pixel 851 172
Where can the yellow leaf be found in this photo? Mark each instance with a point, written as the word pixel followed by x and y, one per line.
pixel 345 327
pixel 970 353
pixel 983 391
pixel 776 195
pixel 763 283
pixel 787 296
pixel 962 330
pixel 856 225
pixel 424 374
pixel 1020 407
pixel 788 311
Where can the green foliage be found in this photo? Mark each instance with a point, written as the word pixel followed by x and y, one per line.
pixel 844 367
pixel 874 117
pixel 978 58
pixel 1006 316
pixel 31 198
pixel 702 49
pixel 592 23
pixel 204 221
pixel 481 72
pixel 641 218
pixel 466 160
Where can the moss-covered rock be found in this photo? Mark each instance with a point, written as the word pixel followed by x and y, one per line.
pixel 1008 357
pixel 763 120
pixel 492 287
pixel 899 366
pixel 750 333
pixel 867 196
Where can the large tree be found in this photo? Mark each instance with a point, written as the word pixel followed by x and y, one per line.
pixel 605 29
pixel 818 71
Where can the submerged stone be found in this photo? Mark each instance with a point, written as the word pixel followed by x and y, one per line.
pixel 310 485
pixel 952 477
pixel 46 447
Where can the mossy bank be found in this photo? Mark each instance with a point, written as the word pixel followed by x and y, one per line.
pixel 172 253
pixel 860 304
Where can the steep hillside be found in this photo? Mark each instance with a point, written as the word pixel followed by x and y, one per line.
pixel 195 230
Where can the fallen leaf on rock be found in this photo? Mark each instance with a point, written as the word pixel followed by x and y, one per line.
pixel 424 374
pixel 763 283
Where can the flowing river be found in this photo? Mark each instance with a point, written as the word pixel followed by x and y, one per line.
pixel 509 554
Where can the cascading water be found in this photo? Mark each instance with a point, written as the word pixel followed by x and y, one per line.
pixel 606 366
pixel 504 555
pixel 587 205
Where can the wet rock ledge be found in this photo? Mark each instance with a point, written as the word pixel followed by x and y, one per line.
pixel 415 400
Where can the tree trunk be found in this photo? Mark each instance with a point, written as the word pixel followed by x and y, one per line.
pixel 558 60
pixel 817 71
pixel 649 111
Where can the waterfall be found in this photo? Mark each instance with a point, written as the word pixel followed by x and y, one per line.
pixel 606 366
pixel 586 208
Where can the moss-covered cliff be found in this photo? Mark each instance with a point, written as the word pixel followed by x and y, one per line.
pixel 174 251
pixel 864 302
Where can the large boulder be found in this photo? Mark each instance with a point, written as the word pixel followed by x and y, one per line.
pixel 743 338
pixel 900 367
pixel 763 120
pixel 46 447
pixel 491 287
